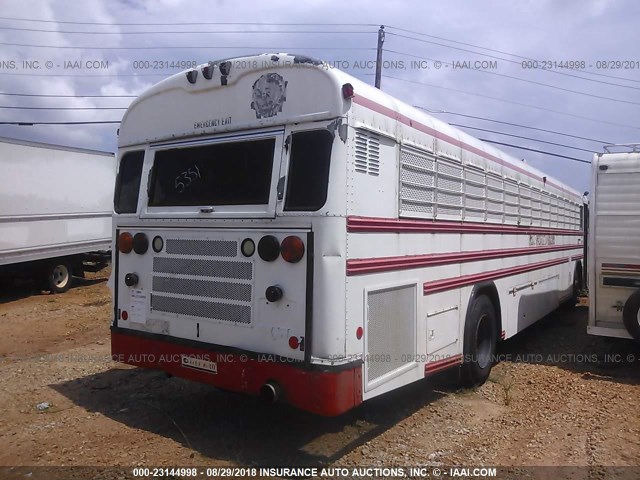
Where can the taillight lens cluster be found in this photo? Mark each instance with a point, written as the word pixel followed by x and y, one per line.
pixel 292 249
pixel 269 248
pixel 139 243
pixel 125 242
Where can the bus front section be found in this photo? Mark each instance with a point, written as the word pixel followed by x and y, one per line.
pixel 224 209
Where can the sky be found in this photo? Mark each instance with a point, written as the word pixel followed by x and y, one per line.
pixel 584 83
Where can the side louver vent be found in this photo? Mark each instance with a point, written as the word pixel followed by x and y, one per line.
pixel 367 153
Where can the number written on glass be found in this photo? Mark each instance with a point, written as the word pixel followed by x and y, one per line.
pixel 185 179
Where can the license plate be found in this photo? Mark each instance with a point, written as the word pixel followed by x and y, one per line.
pixel 199 364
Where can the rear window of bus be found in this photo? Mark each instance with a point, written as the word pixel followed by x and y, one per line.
pixel 308 170
pixel 128 182
pixel 237 173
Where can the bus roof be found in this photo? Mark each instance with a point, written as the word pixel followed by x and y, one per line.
pixel 181 105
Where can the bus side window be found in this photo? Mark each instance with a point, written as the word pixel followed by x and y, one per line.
pixel 308 170
pixel 128 182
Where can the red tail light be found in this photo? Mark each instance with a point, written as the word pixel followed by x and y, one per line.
pixel 294 343
pixel 125 242
pixel 140 243
pixel 347 91
pixel 292 249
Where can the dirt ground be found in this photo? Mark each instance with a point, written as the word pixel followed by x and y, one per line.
pixel 555 399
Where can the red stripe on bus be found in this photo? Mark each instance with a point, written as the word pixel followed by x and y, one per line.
pixel 384 264
pixel 442 285
pixel 376 107
pixel 439 365
pixel 621 266
pixel 382 225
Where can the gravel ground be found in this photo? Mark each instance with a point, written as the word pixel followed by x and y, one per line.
pixel 556 399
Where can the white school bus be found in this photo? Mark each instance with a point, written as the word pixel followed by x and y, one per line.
pixel 614 243
pixel 286 230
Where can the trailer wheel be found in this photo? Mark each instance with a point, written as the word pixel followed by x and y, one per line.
pixel 631 315
pixel 480 339
pixel 59 277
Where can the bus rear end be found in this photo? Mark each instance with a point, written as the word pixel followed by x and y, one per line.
pixel 225 174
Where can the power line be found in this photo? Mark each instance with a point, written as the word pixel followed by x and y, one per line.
pixel 453 41
pixel 535 150
pixel 76 75
pixel 520 136
pixel 219 32
pixel 504 53
pixel 529 81
pixel 65 96
pixel 115 75
pixel 601 142
pixel 184 47
pixel 599 120
pixel 516 62
pixel 193 23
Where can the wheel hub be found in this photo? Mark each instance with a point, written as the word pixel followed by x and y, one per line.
pixel 60 275
pixel 484 342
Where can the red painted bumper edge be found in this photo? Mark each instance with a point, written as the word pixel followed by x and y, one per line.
pixel 327 393
pixel 439 365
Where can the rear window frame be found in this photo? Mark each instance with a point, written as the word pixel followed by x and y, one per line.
pixel 220 211
pixel 117 194
pixel 170 200
pixel 288 194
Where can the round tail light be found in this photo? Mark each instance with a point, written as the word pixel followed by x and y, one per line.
pixel 268 248
pixel 157 244
pixel 248 247
pixel 140 243
pixel 125 242
pixel 292 249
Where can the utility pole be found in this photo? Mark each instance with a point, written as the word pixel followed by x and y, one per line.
pixel 379 56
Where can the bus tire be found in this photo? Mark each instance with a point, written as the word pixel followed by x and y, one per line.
pixel 480 340
pixel 631 315
pixel 59 277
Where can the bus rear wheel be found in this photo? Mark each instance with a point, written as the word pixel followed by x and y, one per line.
pixel 631 315
pixel 480 340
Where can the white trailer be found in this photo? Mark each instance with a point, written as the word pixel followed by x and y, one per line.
pixel 55 211
pixel 614 243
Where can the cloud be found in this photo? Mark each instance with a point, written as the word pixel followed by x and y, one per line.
pixel 593 31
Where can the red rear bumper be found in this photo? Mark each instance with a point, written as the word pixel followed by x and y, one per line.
pixel 324 392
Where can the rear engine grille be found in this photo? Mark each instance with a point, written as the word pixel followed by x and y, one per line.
pixel 208 248
pixel 213 288
pixel 203 288
pixel 199 308
pixel 204 268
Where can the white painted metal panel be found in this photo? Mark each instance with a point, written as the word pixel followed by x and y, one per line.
pixel 54 200
pixel 200 287
pixel 614 238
